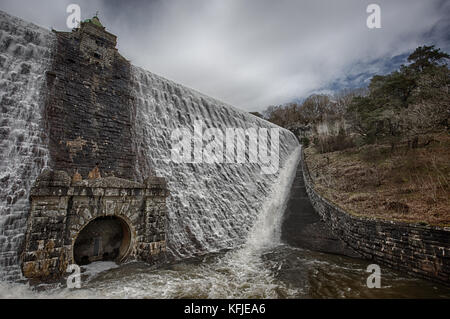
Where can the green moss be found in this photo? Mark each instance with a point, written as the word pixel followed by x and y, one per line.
pixel 95 21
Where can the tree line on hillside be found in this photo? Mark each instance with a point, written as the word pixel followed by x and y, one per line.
pixel 403 106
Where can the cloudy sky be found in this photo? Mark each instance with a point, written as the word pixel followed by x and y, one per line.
pixel 254 53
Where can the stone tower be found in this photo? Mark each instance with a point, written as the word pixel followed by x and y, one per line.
pixel 91 204
pixel 98 45
pixel 89 111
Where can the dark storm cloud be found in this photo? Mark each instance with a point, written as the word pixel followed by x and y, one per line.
pixel 252 53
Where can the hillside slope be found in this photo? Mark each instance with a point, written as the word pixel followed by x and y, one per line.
pixel 410 185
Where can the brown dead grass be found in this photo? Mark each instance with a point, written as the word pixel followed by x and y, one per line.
pixel 406 185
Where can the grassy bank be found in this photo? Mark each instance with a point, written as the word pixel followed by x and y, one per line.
pixel 410 185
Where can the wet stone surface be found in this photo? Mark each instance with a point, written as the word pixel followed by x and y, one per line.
pixel 63 217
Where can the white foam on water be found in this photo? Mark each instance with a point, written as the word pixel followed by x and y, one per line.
pixel 97 267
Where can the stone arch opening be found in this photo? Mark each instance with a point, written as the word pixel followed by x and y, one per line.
pixel 106 238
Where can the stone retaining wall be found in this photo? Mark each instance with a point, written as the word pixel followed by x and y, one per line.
pixel 422 251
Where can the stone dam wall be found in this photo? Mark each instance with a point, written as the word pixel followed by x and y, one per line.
pixel 71 102
pixel 422 251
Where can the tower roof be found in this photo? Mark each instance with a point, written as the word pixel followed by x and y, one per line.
pixel 95 20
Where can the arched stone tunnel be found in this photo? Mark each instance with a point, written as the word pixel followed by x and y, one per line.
pixel 103 238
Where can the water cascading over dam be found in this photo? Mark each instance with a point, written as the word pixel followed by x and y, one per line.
pixel 25 56
pixel 211 206
pixel 70 102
